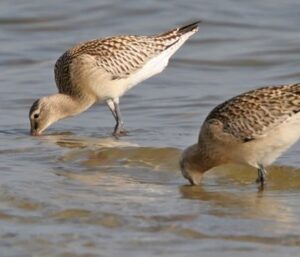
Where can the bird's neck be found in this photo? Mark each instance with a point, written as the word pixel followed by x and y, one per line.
pixel 63 105
pixel 204 157
pixel 200 159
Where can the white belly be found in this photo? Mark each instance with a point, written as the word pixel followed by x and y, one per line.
pixel 116 88
pixel 97 82
pixel 267 149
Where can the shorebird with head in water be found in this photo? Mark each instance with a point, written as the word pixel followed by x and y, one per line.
pixel 253 128
pixel 103 70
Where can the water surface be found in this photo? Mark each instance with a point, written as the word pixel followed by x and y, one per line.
pixel 77 191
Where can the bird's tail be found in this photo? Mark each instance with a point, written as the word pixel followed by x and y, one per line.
pixel 178 32
pixel 192 27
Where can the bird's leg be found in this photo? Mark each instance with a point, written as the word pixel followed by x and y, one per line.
pixel 119 128
pixel 113 105
pixel 261 175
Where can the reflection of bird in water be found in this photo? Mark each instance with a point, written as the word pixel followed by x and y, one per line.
pixel 103 70
pixel 253 128
pixel 247 204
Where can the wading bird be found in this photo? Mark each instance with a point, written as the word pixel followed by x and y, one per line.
pixel 102 70
pixel 253 128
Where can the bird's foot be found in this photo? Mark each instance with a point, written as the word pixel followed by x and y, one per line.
pixel 261 179
pixel 261 183
pixel 261 187
pixel 120 131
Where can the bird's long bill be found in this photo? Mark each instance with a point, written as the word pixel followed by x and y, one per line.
pixel 34 132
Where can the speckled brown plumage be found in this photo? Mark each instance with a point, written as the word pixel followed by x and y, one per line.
pixel 120 56
pixel 103 70
pixel 252 114
pixel 253 128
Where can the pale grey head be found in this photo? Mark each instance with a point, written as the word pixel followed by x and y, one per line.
pixel 39 116
pixel 49 109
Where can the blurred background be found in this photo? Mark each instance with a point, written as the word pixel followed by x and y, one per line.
pixel 77 191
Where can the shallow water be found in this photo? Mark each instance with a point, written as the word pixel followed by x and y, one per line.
pixel 77 191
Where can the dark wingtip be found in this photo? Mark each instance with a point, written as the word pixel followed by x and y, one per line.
pixel 189 27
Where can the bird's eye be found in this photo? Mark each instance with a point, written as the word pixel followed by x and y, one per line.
pixel 35 116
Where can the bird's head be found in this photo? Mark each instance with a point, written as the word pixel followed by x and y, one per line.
pixel 41 116
pixel 189 164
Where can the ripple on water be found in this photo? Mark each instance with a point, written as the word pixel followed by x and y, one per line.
pixel 77 191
